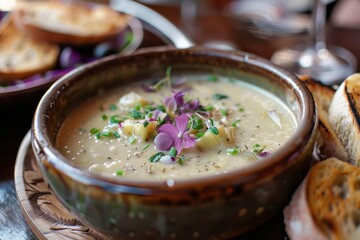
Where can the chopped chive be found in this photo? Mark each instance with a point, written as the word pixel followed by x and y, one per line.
pixel 136 114
pixel 145 147
pixel 112 107
pixel 145 123
pixel 97 135
pixel 219 96
pixel 214 130
pixel 209 108
pixel 119 173
pixel 212 78
pixel 181 160
pixel 106 133
pixel 132 140
pixel 161 108
pixel 241 109
pixel 94 131
pixel 199 135
pixel 234 123
pixel 197 123
pixel 224 112
pixel 104 117
pixel 156 157
pixel 150 115
pixel 116 134
pixel 115 119
pixel 168 72
pixel 257 145
pixel 211 122
pixel 138 107
pixel 173 152
pixel 233 151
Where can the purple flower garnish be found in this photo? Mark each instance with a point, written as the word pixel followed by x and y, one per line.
pixel 264 154
pixel 180 138
pixel 191 106
pixel 174 102
pixel 163 141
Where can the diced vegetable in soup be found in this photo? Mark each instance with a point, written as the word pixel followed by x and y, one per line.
pixel 175 129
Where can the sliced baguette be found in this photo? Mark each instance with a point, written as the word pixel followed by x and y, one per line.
pixel 69 22
pixel 327 204
pixel 21 56
pixel 327 144
pixel 344 116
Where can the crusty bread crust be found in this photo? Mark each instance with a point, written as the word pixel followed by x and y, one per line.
pixel 20 56
pixel 344 116
pixel 327 204
pixel 72 24
pixel 327 143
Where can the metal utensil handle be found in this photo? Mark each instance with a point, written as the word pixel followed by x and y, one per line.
pixel 169 33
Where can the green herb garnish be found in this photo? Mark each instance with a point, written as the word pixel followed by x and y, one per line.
pixel 214 130
pixel 173 152
pixel 104 117
pixel 233 151
pixel 94 131
pixel 106 134
pixel 234 123
pixel 156 157
pixel 132 140
pixel 224 112
pixel 115 119
pixel 116 134
pixel 112 107
pixel 212 78
pixel 119 173
pixel 199 135
pixel 219 96
pixel 145 147
pixel 136 114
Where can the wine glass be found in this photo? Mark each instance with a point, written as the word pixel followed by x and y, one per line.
pixel 327 64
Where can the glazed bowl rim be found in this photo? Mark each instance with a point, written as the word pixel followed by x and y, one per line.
pixel 306 128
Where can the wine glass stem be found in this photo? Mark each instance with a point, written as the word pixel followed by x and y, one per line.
pixel 319 18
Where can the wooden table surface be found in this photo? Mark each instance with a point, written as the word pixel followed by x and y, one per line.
pixel 15 118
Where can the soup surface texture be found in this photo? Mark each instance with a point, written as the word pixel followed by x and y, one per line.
pixel 206 125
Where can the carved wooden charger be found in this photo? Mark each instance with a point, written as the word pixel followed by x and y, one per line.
pixel 49 219
pixel 44 213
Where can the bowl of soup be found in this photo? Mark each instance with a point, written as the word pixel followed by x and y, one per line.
pixel 175 144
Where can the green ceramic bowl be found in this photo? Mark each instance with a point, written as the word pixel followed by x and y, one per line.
pixel 211 207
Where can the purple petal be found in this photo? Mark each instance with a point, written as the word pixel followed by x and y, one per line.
pixel 147 88
pixel 264 154
pixel 191 106
pixel 163 141
pixel 179 98
pixel 181 122
pixel 185 142
pixel 169 129
pixel 170 104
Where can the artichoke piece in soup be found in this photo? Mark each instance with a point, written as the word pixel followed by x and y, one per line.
pixel 175 129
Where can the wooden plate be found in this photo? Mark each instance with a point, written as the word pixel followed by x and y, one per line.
pixel 49 219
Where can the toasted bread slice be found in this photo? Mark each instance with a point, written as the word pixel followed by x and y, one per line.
pixel 327 204
pixel 69 22
pixel 344 116
pixel 327 144
pixel 21 56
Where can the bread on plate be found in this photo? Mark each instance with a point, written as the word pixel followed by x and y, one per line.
pixel 328 143
pixel 69 22
pixel 21 56
pixel 344 116
pixel 327 204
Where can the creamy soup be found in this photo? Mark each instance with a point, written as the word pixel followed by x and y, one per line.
pixel 207 125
